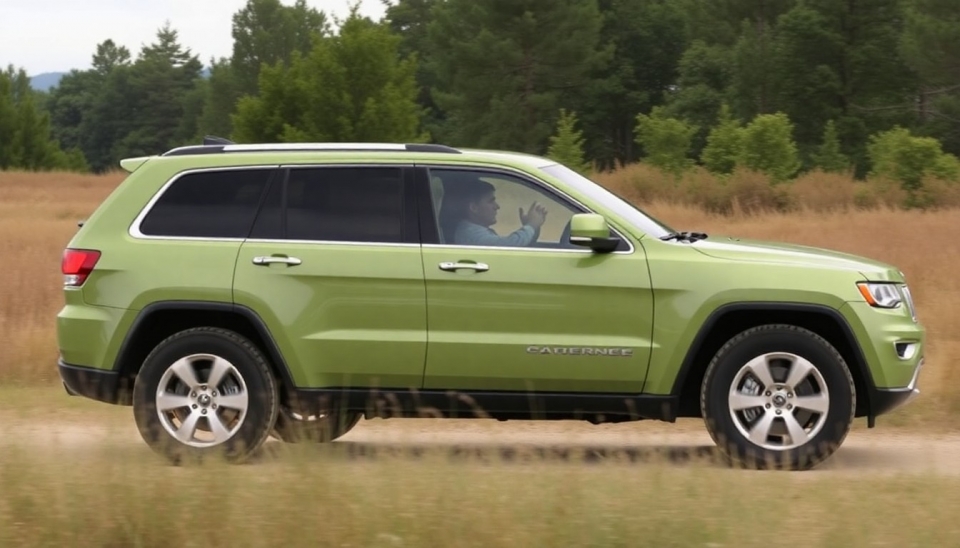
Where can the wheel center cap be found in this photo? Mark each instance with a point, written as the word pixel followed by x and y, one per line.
pixel 779 400
pixel 204 400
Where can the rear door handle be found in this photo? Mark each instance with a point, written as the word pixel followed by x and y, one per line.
pixel 453 267
pixel 292 261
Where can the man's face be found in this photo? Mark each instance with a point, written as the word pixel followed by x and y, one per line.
pixel 484 210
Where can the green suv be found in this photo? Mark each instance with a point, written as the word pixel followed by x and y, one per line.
pixel 233 292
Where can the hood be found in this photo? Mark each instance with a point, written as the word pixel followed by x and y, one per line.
pixel 741 249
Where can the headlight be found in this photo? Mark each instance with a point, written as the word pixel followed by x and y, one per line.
pixel 880 295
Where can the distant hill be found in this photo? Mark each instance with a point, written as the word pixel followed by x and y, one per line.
pixel 45 81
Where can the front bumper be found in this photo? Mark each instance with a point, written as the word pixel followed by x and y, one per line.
pixel 97 384
pixel 884 400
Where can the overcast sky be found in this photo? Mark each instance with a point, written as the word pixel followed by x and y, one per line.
pixel 59 35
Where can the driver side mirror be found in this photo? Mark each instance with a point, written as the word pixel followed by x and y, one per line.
pixel 591 230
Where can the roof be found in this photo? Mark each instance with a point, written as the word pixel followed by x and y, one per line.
pixel 218 145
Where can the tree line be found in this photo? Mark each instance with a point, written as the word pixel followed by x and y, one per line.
pixel 782 87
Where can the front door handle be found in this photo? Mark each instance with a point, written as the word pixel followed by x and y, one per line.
pixel 292 261
pixel 453 267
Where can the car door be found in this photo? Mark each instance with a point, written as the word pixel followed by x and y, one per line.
pixel 333 266
pixel 546 317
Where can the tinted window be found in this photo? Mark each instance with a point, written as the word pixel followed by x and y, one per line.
pixel 210 204
pixel 355 204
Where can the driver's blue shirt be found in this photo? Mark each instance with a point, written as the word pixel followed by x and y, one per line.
pixel 468 233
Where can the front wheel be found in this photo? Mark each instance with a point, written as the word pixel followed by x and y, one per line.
pixel 205 392
pixel 779 396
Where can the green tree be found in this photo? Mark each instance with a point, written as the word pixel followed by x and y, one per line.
pixel 26 141
pixel 110 116
pixel 721 22
pixel 87 115
pixel 705 76
pixel 109 56
pixel 839 60
pixel 566 145
pixel 220 95
pixel 768 147
pixel 648 37
pixel 828 155
pixel 723 144
pixel 351 87
pixel 906 158
pixel 931 47
pixel 665 140
pixel 160 85
pixel 505 67
pixel 410 19
pixel 265 32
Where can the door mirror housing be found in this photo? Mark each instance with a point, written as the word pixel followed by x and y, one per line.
pixel 591 230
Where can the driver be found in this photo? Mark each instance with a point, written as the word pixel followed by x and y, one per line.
pixel 478 212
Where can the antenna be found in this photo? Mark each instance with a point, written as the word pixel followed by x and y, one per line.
pixel 214 140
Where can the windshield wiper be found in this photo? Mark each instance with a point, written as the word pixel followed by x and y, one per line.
pixel 685 236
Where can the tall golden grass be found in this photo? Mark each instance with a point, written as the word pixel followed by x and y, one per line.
pixel 39 214
pixel 114 495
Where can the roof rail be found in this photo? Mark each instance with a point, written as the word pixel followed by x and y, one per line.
pixel 218 145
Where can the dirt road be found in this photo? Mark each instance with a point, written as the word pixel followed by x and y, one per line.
pixel 878 451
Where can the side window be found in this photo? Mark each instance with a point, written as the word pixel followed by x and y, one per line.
pixel 208 204
pixel 342 204
pixel 497 209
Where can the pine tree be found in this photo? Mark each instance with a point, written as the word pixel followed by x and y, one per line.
pixel 505 67
pixel 723 144
pixel 828 155
pixel 566 145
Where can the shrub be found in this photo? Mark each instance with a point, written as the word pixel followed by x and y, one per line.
pixel 768 147
pixel 665 140
pixel 723 144
pixel 908 159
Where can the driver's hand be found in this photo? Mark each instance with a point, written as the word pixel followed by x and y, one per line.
pixel 536 215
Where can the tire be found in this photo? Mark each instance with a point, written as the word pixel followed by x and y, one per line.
pixel 760 361
pixel 244 400
pixel 326 427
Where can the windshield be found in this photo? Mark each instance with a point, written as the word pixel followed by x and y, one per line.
pixel 611 201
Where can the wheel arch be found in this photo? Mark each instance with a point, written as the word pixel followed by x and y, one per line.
pixel 728 320
pixel 159 320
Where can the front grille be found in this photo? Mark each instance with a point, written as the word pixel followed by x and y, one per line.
pixel 908 299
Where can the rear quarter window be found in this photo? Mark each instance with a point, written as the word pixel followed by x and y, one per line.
pixel 208 204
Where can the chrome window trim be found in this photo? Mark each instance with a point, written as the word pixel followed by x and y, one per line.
pixel 524 249
pixel 548 189
pixel 327 242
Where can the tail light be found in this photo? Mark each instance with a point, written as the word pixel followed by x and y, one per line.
pixel 77 265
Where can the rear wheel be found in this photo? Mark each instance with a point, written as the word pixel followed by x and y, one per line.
pixel 779 396
pixel 205 392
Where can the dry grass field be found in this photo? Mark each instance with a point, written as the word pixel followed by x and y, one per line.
pixel 109 498
pixel 39 214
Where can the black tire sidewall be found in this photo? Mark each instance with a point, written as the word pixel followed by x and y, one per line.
pixel 749 345
pixel 260 386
